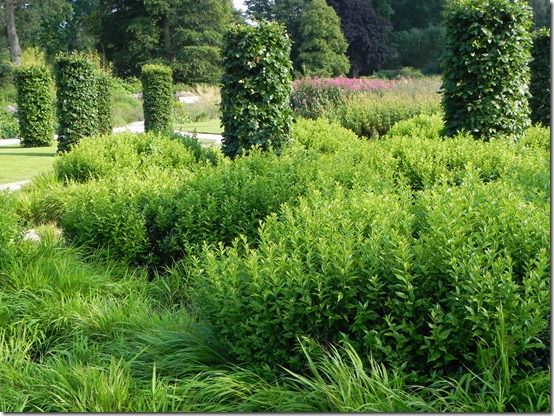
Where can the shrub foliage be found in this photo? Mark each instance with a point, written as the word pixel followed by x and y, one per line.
pixel 486 67
pixel 77 99
pixel 255 96
pixel 35 105
pixel 157 93
pixel 540 77
pixel 105 121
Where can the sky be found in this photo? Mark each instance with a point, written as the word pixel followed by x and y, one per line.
pixel 239 4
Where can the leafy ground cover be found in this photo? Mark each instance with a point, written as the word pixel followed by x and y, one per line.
pixel 409 273
pixel 19 163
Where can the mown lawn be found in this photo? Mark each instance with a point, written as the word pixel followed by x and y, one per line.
pixel 19 163
pixel 210 127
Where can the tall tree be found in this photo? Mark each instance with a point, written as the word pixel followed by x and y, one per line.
pixel 322 44
pixel 366 33
pixel 287 12
pixel 13 40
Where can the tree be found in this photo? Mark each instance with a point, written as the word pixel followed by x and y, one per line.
pixel 366 33
pixel 13 40
pixel 134 32
pixel 322 44
pixel 286 12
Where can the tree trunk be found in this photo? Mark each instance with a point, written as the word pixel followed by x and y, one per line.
pixel 13 40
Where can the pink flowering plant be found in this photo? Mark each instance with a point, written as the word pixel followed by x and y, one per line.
pixel 312 96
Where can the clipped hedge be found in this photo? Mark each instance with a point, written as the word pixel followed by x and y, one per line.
pixel 540 77
pixel 255 96
pixel 35 103
pixel 486 67
pixel 77 99
pixel 157 94
pixel 105 121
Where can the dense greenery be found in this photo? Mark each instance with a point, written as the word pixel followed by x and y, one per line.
pixel 255 96
pixel 35 104
pixel 157 95
pixel 322 48
pixel 486 67
pixel 438 246
pixel 104 102
pixel 540 77
pixel 77 99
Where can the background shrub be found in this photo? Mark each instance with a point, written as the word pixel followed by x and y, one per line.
pixel 540 77
pixel 157 95
pixel 486 67
pixel 255 97
pixel 77 99
pixel 105 99
pixel 35 106
pixel 9 125
pixel 128 153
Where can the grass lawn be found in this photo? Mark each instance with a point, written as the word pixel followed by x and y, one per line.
pixel 20 163
pixel 209 127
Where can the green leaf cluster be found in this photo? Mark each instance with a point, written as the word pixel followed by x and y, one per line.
pixel 486 67
pixel 105 121
pixel 77 99
pixel 322 50
pixel 255 95
pixel 157 95
pixel 540 77
pixel 10 226
pixel 35 103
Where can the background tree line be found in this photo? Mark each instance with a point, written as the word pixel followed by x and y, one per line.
pixel 330 37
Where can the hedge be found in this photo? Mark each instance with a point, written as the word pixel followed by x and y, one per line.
pixel 35 103
pixel 255 96
pixel 157 93
pixel 105 122
pixel 540 77
pixel 486 67
pixel 77 98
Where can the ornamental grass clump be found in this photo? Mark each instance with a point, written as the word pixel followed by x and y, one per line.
pixel 486 67
pixel 77 99
pixel 35 103
pixel 255 96
pixel 157 93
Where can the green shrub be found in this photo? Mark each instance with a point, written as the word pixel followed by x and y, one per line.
pixel 255 97
pixel 77 97
pixel 419 48
pixel 486 67
pixel 372 115
pixel 9 126
pixel 540 77
pixel 157 94
pixel 105 98
pixel 35 106
pixel 350 267
pixel 122 153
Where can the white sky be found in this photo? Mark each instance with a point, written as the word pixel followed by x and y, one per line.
pixel 239 4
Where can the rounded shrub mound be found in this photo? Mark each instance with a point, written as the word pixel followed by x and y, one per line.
pixel 486 67
pixel 77 97
pixel 105 121
pixel 540 77
pixel 255 96
pixel 425 288
pixel 157 94
pixel 35 103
